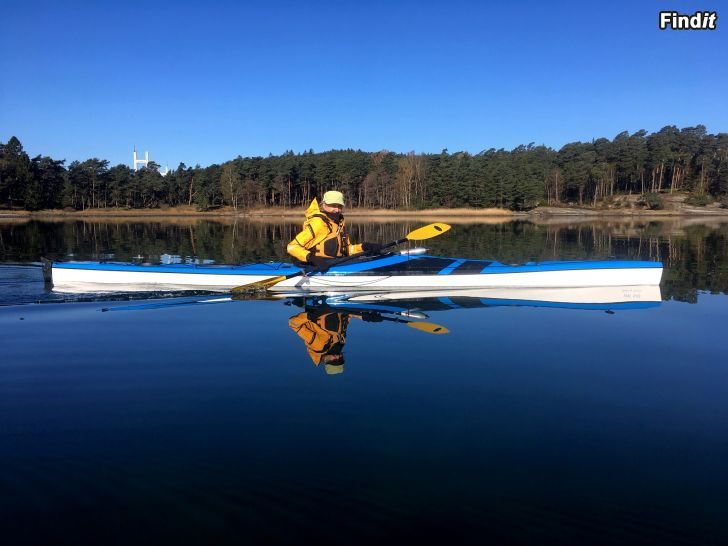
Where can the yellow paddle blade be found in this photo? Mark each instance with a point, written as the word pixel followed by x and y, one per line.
pixel 428 327
pixel 427 232
pixel 260 285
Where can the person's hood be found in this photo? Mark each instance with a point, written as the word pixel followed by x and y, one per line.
pixel 313 208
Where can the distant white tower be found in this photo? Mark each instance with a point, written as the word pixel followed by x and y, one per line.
pixel 144 161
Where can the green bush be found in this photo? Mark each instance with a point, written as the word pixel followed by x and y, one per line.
pixel 695 200
pixel 652 201
pixel 724 201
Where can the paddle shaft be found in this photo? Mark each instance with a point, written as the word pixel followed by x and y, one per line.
pixel 302 273
pixel 336 261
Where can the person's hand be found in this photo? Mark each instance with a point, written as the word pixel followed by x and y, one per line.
pixel 316 261
pixel 373 248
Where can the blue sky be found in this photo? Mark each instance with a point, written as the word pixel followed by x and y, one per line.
pixel 204 84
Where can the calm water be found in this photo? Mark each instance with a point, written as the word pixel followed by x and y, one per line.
pixel 199 419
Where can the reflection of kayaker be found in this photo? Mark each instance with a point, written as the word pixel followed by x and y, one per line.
pixel 324 333
pixel 322 327
pixel 324 235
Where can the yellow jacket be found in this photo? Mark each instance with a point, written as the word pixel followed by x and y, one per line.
pixel 322 236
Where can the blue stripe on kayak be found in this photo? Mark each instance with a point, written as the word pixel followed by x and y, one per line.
pixel 449 269
pixel 272 268
pixel 570 266
pixel 345 269
pixel 277 268
pixel 448 302
pixel 563 305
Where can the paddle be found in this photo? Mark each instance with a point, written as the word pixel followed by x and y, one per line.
pixel 421 234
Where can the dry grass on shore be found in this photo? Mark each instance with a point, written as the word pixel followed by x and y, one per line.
pixel 258 212
pixel 431 212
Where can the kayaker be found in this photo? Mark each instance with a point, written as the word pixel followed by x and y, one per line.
pixel 324 236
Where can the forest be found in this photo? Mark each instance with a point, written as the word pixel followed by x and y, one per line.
pixel 580 173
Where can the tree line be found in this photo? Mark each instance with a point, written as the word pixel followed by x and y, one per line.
pixel 672 159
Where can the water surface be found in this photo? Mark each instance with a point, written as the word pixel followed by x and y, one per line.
pixel 200 419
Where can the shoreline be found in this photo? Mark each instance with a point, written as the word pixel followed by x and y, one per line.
pixel 298 213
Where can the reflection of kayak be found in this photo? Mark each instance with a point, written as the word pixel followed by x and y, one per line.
pixel 321 320
pixel 414 304
pixel 406 271
pixel 595 298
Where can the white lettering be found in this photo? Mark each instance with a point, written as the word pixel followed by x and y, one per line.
pixel 700 20
pixel 712 20
pixel 665 18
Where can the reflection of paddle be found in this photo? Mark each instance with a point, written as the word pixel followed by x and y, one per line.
pixel 429 327
pixel 421 234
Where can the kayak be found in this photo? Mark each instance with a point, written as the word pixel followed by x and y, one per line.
pixel 401 271
pixel 404 271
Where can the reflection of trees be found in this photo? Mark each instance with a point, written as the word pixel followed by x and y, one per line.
pixel 695 256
